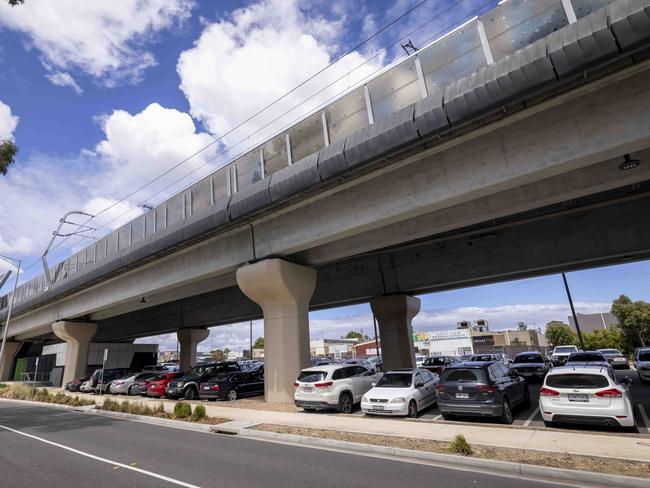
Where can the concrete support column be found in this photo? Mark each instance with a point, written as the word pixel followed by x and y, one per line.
pixel 394 314
pixel 6 365
pixel 188 340
pixel 283 290
pixel 78 335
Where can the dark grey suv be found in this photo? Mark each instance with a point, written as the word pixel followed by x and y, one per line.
pixel 481 389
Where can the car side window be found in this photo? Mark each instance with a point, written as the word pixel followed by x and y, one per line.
pixel 338 374
pixel 427 376
pixel 418 378
pixel 492 371
pixel 360 371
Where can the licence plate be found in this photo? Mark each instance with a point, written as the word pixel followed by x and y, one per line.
pixel 462 396
pixel 378 408
pixel 206 387
pixel 578 398
pixel 307 389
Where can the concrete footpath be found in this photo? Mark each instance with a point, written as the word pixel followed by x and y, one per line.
pixel 609 445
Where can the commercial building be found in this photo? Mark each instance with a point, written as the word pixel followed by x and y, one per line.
pixel 452 342
pixel 590 322
pixel 334 348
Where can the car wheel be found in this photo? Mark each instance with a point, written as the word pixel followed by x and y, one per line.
pixel 190 394
pixel 447 416
pixel 232 395
pixel 549 424
pixel 413 409
pixel 506 416
pixel 526 402
pixel 345 403
pixel 130 391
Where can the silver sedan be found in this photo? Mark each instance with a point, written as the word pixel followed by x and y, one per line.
pixel 122 386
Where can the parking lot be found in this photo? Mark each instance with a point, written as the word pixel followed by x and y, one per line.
pixel 531 417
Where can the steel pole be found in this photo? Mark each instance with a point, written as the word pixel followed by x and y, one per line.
pixel 11 306
pixel 374 320
pixel 250 336
pixel 573 311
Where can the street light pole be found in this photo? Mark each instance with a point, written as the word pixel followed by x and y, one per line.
pixel 573 311
pixel 16 263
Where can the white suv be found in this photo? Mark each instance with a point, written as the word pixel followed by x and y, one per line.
pixel 586 395
pixel 332 386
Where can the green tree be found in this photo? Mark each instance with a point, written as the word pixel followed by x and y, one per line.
pixel 259 343
pixel 8 151
pixel 559 334
pixel 219 355
pixel 353 334
pixel 611 338
pixel 633 320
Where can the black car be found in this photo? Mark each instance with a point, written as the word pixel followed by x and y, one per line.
pixel 101 382
pixel 436 364
pixel 75 385
pixel 531 364
pixel 230 386
pixel 483 389
pixel 188 385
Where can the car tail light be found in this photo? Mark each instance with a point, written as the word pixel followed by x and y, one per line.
pixel 324 384
pixel 486 388
pixel 543 391
pixel 215 387
pixel 609 393
pixel 441 387
pixel 296 385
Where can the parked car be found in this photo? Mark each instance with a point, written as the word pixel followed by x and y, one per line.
pixel 101 382
pixel 642 364
pixel 332 386
pixel 173 367
pixel 377 362
pixel 157 385
pixel 75 385
pixel 188 385
pixel 419 359
pixel 140 385
pixel 123 386
pixel 560 354
pixel 401 392
pixel 484 389
pixel 531 364
pixel 464 358
pixel 491 357
pixel 593 358
pixel 586 394
pixel 615 358
pixel 231 386
pixel 362 362
pixel 436 364
pixel 320 361
pixel 156 368
pixel 85 387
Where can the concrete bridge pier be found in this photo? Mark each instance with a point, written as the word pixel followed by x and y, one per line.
pixel 11 348
pixel 188 340
pixel 283 290
pixel 394 314
pixel 78 336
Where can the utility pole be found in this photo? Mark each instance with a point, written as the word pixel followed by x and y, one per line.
pixel 573 312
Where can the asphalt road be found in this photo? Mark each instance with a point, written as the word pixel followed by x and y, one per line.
pixel 41 446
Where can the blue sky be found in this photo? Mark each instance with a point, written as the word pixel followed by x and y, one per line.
pixel 100 100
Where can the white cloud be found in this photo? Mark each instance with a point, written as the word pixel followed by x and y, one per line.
pixel 8 122
pixel 60 78
pixel 242 63
pixel 103 39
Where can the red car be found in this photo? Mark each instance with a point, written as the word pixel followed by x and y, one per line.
pixel 156 387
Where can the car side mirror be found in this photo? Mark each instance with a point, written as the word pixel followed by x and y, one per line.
pixel 419 385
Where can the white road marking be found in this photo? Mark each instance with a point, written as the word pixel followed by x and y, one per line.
pixel 437 417
pixel 532 416
pixel 103 460
pixel 644 416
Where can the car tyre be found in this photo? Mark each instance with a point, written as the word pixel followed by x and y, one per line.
pixel 345 403
pixel 231 396
pixel 506 416
pixel 526 402
pixel 413 410
pixel 190 394
pixel 129 392
pixel 447 416
pixel 549 424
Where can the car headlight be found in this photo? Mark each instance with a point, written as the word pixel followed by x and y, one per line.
pixel 398 400
pixel 364 399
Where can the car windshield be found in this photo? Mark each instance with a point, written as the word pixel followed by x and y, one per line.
pixel 577 381
pixel 644 356
pixel 583 357
pixel 482 357
pixel 394 380
pixel 611 351
pixel 565 349
pixel 460 375
pixel 312 376
pixel 529 358
pixel 434 362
